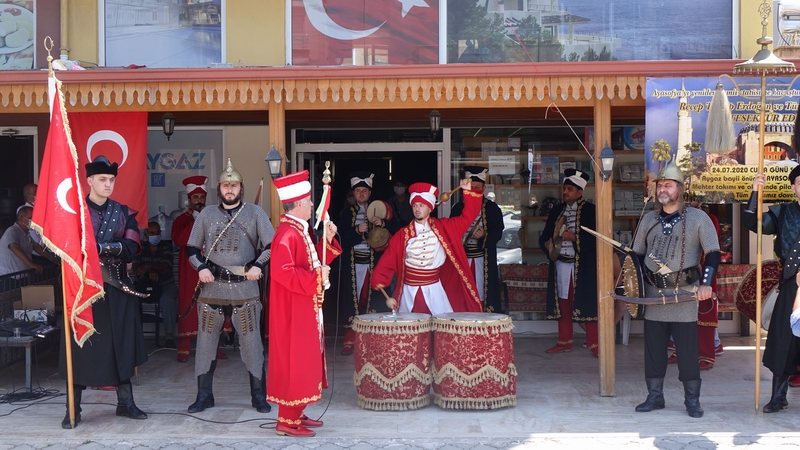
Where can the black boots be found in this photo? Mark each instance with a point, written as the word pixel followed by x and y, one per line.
pixel 205 395
pixel 125 405
pixel 259 398
pixel 780 384
pixel 65 424
pixel 655 395
pixel 691 394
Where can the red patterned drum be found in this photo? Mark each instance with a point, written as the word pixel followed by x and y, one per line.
pixel 473 362
pixel 393 361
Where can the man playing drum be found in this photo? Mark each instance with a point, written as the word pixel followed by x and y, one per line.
pixel 480 241
pixel 359 259
pixel 433 276
pixel 782 351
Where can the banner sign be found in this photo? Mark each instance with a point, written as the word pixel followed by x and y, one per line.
pixel 676 116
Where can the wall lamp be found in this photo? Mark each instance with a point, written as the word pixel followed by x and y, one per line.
pixel 274 162
pixel 168 124
pixel 435 117
pixel 607 158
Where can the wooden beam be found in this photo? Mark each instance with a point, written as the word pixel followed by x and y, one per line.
pixel 277 137
pixel 604 206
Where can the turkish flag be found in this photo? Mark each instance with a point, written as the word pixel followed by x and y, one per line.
pixel 364 32
pixel 122 138
pixel 60 215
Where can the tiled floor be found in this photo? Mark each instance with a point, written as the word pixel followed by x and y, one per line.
pixel 557 396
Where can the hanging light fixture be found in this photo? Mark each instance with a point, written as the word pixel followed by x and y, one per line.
pixel 168 124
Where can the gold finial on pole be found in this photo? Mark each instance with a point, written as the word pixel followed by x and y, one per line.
pixel 326 174
pixel 48 45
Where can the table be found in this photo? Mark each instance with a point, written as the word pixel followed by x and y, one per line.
pixel 23 341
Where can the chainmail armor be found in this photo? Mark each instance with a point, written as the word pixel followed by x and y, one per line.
pixel 234 248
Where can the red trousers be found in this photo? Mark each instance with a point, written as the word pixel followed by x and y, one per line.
pixel 290 415
pixel 565 327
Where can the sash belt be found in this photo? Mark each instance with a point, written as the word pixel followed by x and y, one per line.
pixel 685 277
pixel 421 277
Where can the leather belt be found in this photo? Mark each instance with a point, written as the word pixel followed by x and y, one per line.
pixel 684 277
pixel 566 259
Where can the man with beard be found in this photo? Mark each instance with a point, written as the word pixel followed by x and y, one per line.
pixel 572 277
pixel 782 350
pixel 110 356
pixel 671 242
pixel 480 241
pixel 433 275
pixel 224 248
pixel 187 276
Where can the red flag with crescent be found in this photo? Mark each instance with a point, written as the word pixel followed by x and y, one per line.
pixel 364 32
pixel 122 138
pixel 61 217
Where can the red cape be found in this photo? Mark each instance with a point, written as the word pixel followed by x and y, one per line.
pixel 296 369
pixel 457 279
pixel 187 275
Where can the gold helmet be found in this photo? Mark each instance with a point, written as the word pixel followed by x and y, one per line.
pixel 230 175
pixel 671 172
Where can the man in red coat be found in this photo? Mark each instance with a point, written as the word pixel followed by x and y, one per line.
pixel 187 276
pixel 433 276
pixel 296 369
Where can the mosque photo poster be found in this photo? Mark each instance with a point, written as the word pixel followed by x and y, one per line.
pixel 676 117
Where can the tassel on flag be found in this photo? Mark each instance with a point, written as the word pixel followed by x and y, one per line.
pixel 324 204
pixel 720 134
pixel 61 217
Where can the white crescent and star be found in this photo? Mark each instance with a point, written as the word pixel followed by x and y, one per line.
pixel 107 135
pixel 320 19
pixel 61 195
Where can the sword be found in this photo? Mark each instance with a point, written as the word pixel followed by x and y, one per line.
pixel 663 300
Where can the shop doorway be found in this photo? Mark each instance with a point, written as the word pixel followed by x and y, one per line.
pixel 17 150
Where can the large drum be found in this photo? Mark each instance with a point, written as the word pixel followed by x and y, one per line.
pixel 745 296
pixel 393 361
pixel 473 366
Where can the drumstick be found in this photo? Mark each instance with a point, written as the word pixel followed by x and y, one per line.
pixel 387 299
pixel 446 196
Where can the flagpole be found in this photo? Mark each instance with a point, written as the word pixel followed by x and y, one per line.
pixel 68 355
pixel 326 180
pixel 48 45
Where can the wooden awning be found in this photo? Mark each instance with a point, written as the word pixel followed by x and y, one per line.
pixel 372 87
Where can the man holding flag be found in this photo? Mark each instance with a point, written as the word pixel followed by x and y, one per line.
pixel 296 372
pixel 118 346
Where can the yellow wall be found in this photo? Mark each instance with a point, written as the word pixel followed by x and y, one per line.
pixel 82 30
pixel 247 148
pixel 750 28
pixel 258 36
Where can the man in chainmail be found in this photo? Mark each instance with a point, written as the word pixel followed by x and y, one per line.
pixel 480 241
pixel 671 242
pixel 229 247
pixel 572 276
pixel 782 350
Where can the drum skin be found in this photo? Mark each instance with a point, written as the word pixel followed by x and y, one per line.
pixel 393 361
pixel 379 209
pixel 378 239
pixel 474 361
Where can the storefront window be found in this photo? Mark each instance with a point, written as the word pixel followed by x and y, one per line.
pixel 17 27
pixel 499 31
pixel 168 33
pixel 524 177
